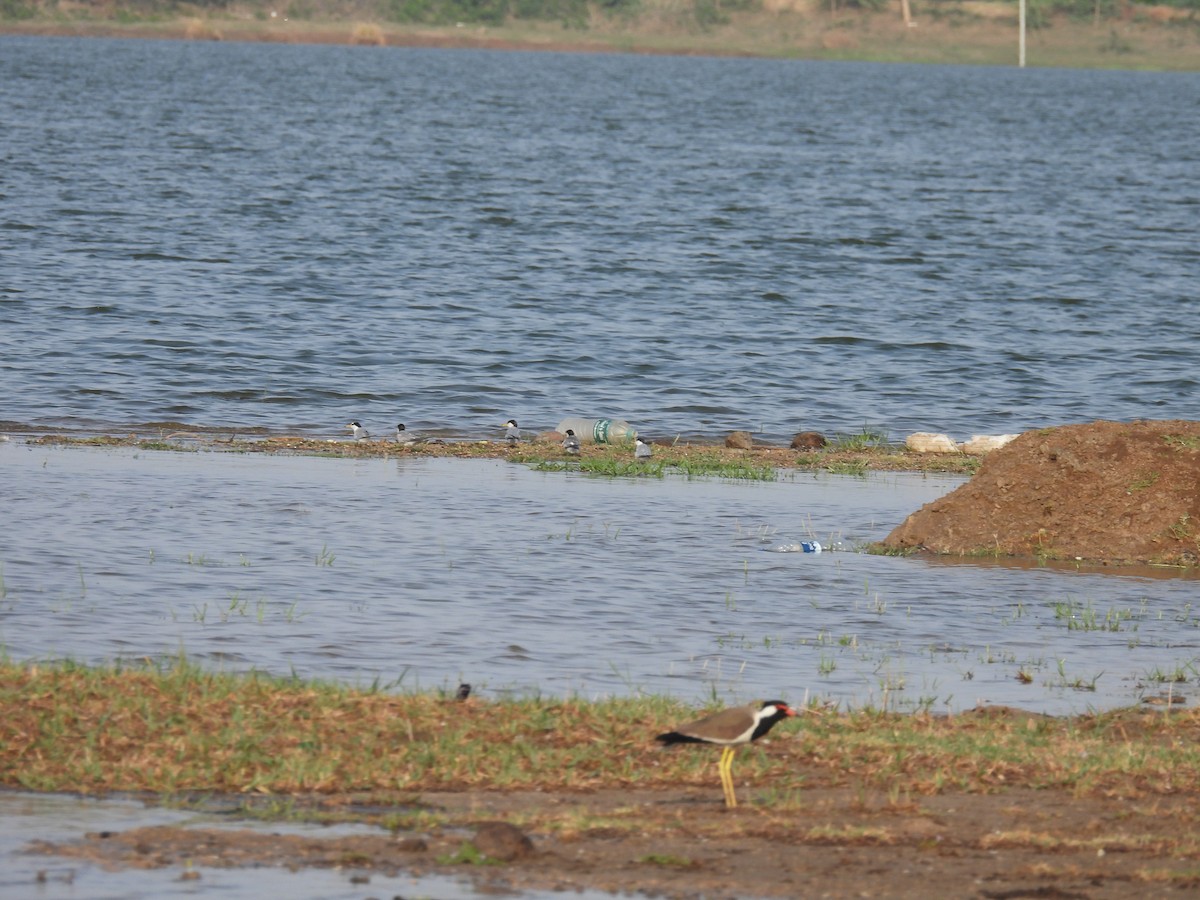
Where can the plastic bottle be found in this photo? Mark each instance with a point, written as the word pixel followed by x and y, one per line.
pixel 599 431
pixel 806 547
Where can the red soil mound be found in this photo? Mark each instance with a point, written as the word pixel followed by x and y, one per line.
pixel 1113 492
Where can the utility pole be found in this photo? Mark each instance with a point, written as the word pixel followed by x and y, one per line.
pixel 1021 29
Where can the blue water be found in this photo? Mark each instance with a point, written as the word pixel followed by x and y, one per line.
pixel 291 237
pixel 419 573
pixel 294 236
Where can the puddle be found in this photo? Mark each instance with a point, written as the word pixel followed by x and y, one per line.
pixel 58 817
pixel 423 573
pixel 62 818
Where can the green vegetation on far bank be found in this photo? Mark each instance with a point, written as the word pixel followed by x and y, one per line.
pixel 1134 34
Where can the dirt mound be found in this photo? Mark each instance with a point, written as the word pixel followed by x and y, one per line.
pixel 1112 492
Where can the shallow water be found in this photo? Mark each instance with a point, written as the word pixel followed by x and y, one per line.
pixel 421 573
pixel 62 818
pixel 293 237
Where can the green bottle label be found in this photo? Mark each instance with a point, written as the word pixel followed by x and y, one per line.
pixel 600 430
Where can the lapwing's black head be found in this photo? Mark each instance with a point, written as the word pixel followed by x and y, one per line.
pixel 769 714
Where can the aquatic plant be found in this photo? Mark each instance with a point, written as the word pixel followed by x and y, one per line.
pixel 866 439
pixel 708 466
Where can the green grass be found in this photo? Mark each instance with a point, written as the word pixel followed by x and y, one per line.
pixel 607 466
pixel 700 466
pixel 667 860
pixel 1181 529
pixel 467 855
pixel 612 466
pixel 1180 674
pixel 866 439
pixel 1143 481
pixel 173 728
pixel 1182 442
pixel 1085 617
pixel 857 469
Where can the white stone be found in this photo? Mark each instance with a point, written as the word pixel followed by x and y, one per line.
pixel 930 442
pixel 986 443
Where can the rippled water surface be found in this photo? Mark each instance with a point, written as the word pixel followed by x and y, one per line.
pixel 421 573
pixel 292 237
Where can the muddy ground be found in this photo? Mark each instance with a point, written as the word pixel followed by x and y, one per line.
pixel 846 842
pixel 1107 492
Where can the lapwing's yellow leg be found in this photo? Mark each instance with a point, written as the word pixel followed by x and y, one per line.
pixel 726 768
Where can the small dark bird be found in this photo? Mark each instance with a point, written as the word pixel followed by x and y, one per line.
pixel 730 728
pixel 464 691
pixel 642 450
pixel 512 432
pixel 358 432
pixel 571 443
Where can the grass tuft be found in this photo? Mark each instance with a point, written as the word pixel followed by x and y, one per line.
pixel 467 855
pixel 174 729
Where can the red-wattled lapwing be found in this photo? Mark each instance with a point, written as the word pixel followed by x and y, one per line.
pixel 730 728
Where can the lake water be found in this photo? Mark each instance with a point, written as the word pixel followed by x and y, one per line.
pixel 423 573
pixel 288 238
pixel 292 237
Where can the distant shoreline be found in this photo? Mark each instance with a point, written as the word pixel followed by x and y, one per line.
pixel 1135 44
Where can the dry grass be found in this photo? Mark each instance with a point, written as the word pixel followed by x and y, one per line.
pixel 970 33
pixel 200 30
pixel 368 34
pixel 179 729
